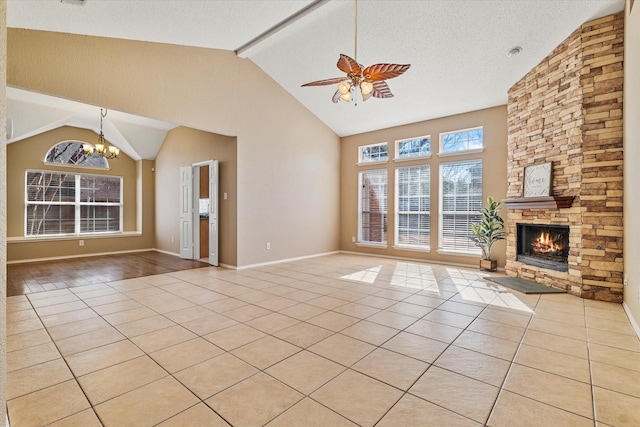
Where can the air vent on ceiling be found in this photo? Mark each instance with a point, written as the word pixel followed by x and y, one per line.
pixel 74 2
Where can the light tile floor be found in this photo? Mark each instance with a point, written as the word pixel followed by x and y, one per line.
pixel 340 340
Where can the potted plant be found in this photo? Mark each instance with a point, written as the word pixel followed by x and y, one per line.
pixel 488 231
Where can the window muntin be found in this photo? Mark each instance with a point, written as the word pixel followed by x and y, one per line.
pixel 372 222
pixel 373 153
pixel 413 147
pixel 413 206
pixel 71 204
pixel 71 153
pixel 462 140
pixel 460 203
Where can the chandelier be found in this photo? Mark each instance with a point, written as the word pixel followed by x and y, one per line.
pixel 361 82
pixel 102 147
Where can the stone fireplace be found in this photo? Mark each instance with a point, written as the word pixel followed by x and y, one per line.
pixel 568 111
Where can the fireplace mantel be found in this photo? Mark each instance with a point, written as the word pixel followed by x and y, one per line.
pixel 548 202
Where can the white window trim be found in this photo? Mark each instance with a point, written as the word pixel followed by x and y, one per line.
pixel 455 153
pixel 412 248
pixel 397 213
pixel 396 153
pixel 462 152
pixel 409 159
pixel 77 203
pixel 455 252
pixel 70 165
pixel 359 241
pixel 375 162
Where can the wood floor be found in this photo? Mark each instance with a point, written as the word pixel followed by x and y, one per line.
pixel 42 276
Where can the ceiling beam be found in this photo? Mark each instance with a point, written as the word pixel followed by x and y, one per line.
pixel 316 4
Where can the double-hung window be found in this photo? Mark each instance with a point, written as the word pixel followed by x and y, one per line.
pixel 413 206
pixel 460 203
pixel 59 203
pixel 372 223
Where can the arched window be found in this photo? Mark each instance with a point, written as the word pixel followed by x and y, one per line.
pixel 71 153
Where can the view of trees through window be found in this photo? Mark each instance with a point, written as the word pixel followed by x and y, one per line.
pixel 452 142
pixel 67 203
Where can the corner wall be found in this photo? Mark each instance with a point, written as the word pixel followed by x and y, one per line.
pixel 494 172
pixel 288 160
pixel 568 110
pixel 137 182
pixel 632 160
pixel 3 210
pixel 184 147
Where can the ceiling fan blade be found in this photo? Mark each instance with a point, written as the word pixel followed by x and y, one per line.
pixel 326 82
pixel 378 72
pixel 349 65
pixel 381 89
pixel 336 97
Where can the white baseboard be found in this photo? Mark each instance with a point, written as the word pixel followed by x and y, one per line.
pixel 280 261
pixel 166 252
pixel 633 321
pixel 22 261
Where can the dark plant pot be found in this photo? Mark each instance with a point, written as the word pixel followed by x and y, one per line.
pixel 488 265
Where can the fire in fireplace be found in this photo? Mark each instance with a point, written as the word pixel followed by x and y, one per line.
pixel 545 246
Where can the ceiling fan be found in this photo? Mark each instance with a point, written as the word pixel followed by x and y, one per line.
pixel 369 81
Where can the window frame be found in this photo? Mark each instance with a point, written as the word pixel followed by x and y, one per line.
pixel 442 153
pixel 362 161
pixel 360 240
pixel 77 204
pixel 397 143
pixel 471 249
pixel 105 163
pixel 397 212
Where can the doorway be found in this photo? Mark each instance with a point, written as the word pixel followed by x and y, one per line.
pixel 199 212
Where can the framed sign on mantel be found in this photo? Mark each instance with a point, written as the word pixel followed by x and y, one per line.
pixel 537 180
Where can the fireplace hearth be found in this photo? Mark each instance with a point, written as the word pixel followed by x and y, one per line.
pixel 545 246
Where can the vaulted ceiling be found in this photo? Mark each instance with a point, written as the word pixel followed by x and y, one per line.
pixel 456 48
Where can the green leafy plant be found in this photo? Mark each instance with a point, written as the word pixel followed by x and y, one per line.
pixel 490 229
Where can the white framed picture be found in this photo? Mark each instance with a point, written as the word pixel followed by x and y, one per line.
pixel 537 180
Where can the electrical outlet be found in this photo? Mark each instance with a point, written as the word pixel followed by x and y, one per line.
pixel 625 282
pixel 80 242
pixel 225 196
pixel 353 240
pixel 268 246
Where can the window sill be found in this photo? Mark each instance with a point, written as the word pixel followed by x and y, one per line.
pixel 372 245
pixel 408 159
pixel 381 162
pixel 412 248
pixel 461 153
pixel 458 253
pixel 74 237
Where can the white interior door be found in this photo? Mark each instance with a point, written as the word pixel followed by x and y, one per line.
pixel 213 212
pixel 186 212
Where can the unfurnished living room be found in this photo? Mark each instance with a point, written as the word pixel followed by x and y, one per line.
pixel 320 213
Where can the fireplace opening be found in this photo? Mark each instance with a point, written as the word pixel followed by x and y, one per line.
pixel 545 246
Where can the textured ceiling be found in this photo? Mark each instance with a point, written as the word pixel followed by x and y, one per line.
pixel 456 48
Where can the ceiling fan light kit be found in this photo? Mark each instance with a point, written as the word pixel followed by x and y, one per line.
pixel 369 81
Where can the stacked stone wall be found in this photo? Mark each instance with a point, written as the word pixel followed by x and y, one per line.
pixel 568 110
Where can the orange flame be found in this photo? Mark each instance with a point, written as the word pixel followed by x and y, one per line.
pixel 544 244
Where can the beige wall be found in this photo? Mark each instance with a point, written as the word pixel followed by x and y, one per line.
pixel 3 211
pixel 632 159
pixel 29 154
pixel 184 147
pixel 494 161
pixel 288 161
